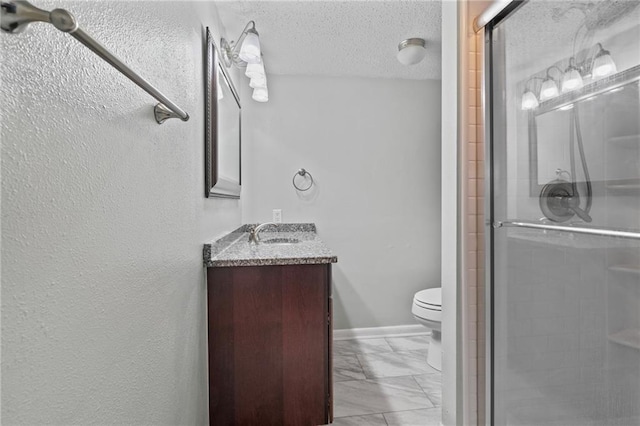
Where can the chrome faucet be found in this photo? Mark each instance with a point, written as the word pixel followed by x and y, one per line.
pixel 254 236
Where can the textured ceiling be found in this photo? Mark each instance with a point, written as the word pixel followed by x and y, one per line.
pixel 544 31
pixel 340 38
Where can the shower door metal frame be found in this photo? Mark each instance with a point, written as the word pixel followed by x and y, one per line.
pixel 491 224
pixel 487 122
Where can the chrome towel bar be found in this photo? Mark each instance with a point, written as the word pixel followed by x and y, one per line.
pixel 603 232
pixel 18 14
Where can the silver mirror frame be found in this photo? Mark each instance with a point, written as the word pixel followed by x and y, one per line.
pixel 215 186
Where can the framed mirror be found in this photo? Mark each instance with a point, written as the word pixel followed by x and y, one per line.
pixel 222 134
pixel 601 120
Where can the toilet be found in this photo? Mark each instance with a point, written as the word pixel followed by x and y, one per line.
pixel 427 310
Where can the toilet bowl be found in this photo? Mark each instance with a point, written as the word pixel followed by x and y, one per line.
pixel 427 310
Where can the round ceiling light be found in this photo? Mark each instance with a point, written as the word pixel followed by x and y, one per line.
pixel 411 51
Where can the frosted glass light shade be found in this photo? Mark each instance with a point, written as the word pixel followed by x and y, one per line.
pixel 549 89
pixel 260 94
pixel 258 83
pixel 571 80
pixel 529 100
pixel 411 51
pixel 255 70
pixel 250 49
pixel 603 65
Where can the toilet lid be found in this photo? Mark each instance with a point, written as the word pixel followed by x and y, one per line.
pixel 430 296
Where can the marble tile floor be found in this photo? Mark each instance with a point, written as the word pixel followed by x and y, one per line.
pixel 386 382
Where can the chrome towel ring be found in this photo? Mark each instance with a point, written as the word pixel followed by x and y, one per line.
pixel 303 173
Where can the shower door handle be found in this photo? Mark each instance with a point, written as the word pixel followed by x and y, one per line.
pixel 602 232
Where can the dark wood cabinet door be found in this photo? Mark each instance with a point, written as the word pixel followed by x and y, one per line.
pixel 269 360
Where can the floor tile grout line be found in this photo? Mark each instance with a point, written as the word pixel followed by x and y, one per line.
pixel 368 338
pixel 389 344
pixel 382 413
pixel 412 375
pixel 423 391
pixel 381 378
pixel 404 411
pixel 406 337
pixel 400 353
pixel 395 377
pixel 361 366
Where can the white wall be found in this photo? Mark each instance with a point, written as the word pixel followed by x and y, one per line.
pixel 103 220
pixel 373 148
pixel 452 259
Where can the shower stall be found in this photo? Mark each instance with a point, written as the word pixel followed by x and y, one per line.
pixel 562 123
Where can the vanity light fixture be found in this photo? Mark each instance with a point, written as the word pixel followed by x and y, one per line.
pixel 603 64
pixel 411 51
pixel 529 99
pixel 250 48
pixel 571 79
pixel 258 83
pixel 247 53
pixel 260 94
pixel 596 63
pixel 255 70
pixel 549 89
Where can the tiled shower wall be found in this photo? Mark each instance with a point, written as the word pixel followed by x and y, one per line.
pixel 475 231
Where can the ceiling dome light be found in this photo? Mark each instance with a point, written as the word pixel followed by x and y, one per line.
pixel 603 64
pixel 411 51
pixel 250 49
pixel 260 94
pixel 529 100
pixel 549 90
pixel 571 79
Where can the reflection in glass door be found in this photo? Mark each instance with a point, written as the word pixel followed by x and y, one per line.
pixel 563 83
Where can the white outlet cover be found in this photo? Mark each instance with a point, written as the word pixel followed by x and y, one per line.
pixel 277 215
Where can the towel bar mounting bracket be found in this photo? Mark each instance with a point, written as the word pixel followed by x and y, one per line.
pixel 16 15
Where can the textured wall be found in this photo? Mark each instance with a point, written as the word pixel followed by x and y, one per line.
pixel 349 38
pixel 103 220
pixel 373 148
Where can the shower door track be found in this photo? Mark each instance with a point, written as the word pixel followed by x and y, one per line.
pixel 603 232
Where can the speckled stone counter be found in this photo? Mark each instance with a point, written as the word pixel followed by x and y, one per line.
pixel 234 249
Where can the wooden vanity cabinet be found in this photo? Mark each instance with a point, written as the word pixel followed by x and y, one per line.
pixel 269 345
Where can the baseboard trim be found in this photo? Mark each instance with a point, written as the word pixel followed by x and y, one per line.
pixel 371 332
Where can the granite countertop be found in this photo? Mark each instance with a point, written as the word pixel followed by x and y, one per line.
pixel 234 248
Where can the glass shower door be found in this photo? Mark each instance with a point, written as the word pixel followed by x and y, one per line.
pixel 564 118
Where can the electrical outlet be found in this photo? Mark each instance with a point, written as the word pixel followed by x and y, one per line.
pixel 277 216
